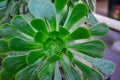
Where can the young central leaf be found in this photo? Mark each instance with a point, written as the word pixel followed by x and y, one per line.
pixel 53 45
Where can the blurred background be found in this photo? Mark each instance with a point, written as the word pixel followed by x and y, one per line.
pixel 111 9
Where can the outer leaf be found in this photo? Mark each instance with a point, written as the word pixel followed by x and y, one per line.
pixel 30 72
pixel 39 25
pixel 4 47
pixel 69 70
pixel 89 73
pixel 10 75
pixel 46 72
pixel 40 37
pixel 8 32
pixel 99 29
pixel 57 75
pixel 59 7
pixel 20 24
pixel 18 62
pixel 18 44
pixel 63 32
pixel 78 12
pixel 95 48
pixel 34 55
pixel 105 66
pixel 80 33
pixel 44 9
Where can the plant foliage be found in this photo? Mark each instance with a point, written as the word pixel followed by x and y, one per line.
pixel 47 42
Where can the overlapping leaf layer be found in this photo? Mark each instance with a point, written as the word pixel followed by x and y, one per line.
pixel 48 44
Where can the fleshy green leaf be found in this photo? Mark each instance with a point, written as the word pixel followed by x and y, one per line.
pixel 46 72
pixel 99 29
pixel 40 37
pixel 63 32
pixel 34 55
pixel 60 4
pixel 44 9
pixel 70 55
pixel 105 66
pixel 57 75
pixel 53 58
pixel 18 44
pixel 30 72
pixel 89 73
pixel 20 24
pixel 39 25
pixel 7 31
pixel 4 47
pixel 78 12
pixel 80 33
pixel 54 34
pixel 95 48
pixel 6 75
pixel 69 70
pixel 14 63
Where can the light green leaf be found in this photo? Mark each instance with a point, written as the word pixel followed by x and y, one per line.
pixel 95 48
pixel 18 44
pixel 60 4
pixel 4 47
pixel 70 72
pixel 8 32
pixel 63 32
pixel 40 37
pixel 39 25
pixel 78 12
pixel 57 75
pixel 14 63
pixel 105 66
pixel 44 9
pixel 6 75
pixel 80 33
pixel 88 73
pixel 20 24
pixel 46 73
pixel 30 72
pixel 34 55
pixel 99 29
pixel 92 19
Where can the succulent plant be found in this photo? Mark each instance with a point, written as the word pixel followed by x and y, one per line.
pixel 46 44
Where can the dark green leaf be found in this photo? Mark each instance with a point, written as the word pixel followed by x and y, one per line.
pixel 40 37
pixel 63 32
pixel 20 24
pixel 53 58
pixel 70 55
pixel 95 48
pixel 46 73
pixel 57 75
pixel 78 12
pixel 18 44
pixel 60 4
pixel 69 70
pixel 89 73
pixel 54 34
pixel 8 32
pixel 99 29
pixel 34 55
pixel 6 75
pixel 44 9
pixel 4 47
pixel 39 25
pixel 14 63
pixel 30 72
pixel 80 33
